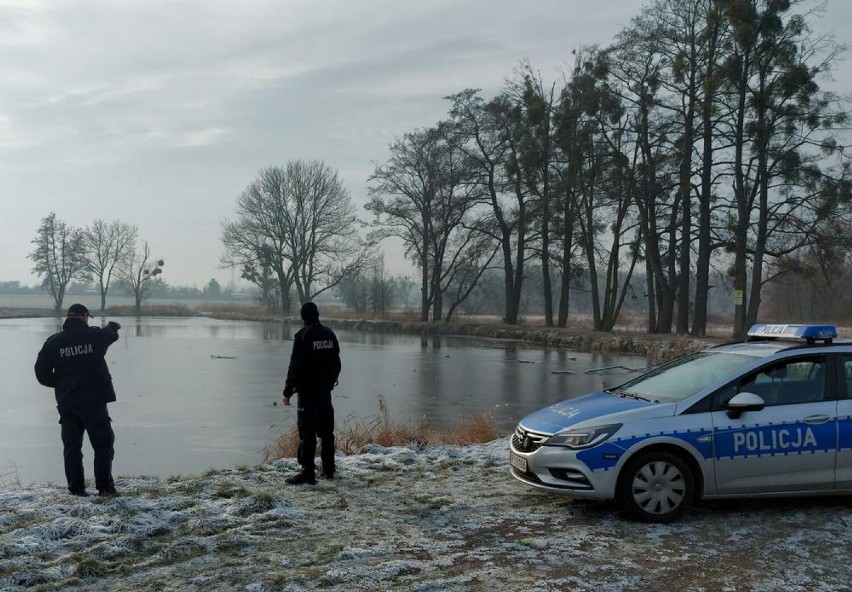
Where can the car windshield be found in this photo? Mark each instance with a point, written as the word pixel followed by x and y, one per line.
pixel 683 377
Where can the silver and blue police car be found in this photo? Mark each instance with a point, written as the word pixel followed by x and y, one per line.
pixel 770 416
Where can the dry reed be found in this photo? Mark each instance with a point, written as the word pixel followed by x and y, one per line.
pixel 357 434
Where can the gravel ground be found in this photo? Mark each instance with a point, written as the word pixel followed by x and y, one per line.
pixel 443 518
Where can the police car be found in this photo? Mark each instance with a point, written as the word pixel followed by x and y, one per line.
pixel 770 416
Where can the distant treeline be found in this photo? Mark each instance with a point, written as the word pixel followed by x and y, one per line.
pixel 159 289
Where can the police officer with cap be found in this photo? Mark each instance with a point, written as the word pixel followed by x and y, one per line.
pixel 314 368
pixel 72 363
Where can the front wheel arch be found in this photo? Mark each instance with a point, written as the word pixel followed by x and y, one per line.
pixel 647 492
pixel 685 456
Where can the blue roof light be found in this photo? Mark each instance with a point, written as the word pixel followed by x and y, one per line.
pixel 809 333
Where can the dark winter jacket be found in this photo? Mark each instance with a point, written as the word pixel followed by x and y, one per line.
pixel 315 361
pixel 72 362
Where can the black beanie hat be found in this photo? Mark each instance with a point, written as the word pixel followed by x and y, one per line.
pixel 77 310
pixel 309 312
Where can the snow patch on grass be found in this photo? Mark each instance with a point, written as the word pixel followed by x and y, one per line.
pixel 438 518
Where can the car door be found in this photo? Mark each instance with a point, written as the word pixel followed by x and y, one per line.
pixel 844 423
pixel 790 444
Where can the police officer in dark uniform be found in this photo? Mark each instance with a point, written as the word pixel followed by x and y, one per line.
pixel 72 363
pixel 314 368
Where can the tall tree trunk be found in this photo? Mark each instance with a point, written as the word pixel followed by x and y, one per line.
pixel 742 206
pixel 514 307
pixel 702 264
pixel 424 290
pixel 568 237
pixel 546 285
pixel 437 295
pixel 652 304
pixel 685 198
pixel 284 291
pixel 762 218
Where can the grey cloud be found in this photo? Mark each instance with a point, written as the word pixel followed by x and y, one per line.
pixel 160 112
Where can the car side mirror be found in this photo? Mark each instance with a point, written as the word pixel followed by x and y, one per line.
pixel 742 402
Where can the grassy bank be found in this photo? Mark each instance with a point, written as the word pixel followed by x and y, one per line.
pixel 441 518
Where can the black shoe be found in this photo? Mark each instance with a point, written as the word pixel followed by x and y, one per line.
pixel 328 475
pixel 79 492
pixel 301 478
pixel 108 492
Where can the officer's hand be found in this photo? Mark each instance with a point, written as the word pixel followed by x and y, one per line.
pixel 113 325
pixel 286 400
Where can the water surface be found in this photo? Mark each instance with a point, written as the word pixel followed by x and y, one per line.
pixel 197 393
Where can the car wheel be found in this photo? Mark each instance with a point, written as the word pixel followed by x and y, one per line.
pixel 657 487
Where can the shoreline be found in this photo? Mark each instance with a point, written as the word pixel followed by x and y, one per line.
pixel 655 347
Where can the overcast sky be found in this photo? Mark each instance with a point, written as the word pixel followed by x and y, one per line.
pixel 159 113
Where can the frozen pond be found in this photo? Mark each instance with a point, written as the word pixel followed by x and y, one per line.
pixel 197 393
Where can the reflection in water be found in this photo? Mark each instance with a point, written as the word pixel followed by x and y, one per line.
pixel 277 331
pixel 195 393
pixel 433 341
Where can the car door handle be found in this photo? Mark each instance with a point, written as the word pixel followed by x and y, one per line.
pixel 816 419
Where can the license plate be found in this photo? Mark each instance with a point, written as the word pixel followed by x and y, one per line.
pixel 518 462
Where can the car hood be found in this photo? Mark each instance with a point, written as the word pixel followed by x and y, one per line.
pixel 593 406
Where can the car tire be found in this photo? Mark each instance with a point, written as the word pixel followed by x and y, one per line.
pixel 657 487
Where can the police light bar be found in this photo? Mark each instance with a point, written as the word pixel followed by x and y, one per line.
pixel 809 333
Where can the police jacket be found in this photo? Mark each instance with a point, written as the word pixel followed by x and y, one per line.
pixel 72 362
pixel 315 361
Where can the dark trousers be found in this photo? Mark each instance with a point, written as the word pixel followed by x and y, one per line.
pixel 97 423
pixel 315 417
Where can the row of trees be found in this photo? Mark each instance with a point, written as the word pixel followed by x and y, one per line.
pixel 155 288
pixel 700 138
pixel 99 253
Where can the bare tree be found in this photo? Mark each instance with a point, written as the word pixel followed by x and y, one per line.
pixel 402 199
pixel 424 195
pixel 372 290
pixel 256 240
pixel 260 273
pixel 323 243
pixel 782 127
pixel 298 221
pixel 490 135
pixel 108 245
pixel 538 152
pixel 58 256
pixel 473 252
pixel 137 272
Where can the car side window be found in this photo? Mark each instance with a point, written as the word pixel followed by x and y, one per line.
pixel 797 380
pixel 847 375
pixel 790 381
pixel 723 395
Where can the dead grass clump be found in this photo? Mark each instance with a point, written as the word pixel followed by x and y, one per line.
pixel 9 477
pixel 357 434
pixel 678 347
pixel 284 447
pixel 477 429
pixel 681 346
